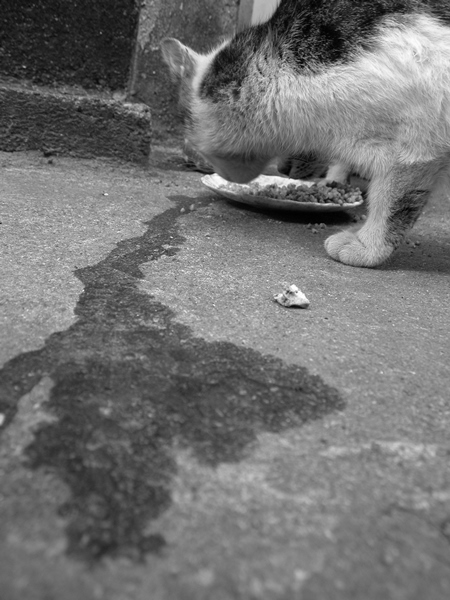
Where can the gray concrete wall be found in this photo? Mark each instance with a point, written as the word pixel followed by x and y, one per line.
pixel 83 42
pixel 57 123
pixel 198 23
pixel 52 51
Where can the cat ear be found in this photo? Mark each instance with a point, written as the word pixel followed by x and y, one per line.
pixel 180 59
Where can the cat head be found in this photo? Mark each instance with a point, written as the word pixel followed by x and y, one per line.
pixel 219 117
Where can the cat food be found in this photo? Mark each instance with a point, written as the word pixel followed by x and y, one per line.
pixel 292 296
pixel 281 193
pixel 332 193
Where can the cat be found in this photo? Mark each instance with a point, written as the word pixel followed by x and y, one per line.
pixel 363 84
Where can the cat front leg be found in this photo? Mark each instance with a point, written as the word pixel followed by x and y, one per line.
pixel 310 166
pixel 302 166
pixel 337 172
pixel 395 202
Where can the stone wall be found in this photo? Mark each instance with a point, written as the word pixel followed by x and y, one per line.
pixel 82 42
pixel 78 76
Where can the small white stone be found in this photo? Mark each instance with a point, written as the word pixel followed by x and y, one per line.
pixel 292 296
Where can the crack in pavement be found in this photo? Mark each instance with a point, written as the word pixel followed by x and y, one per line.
pixel 128 382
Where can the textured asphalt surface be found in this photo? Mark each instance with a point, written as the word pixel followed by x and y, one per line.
pixel 169 432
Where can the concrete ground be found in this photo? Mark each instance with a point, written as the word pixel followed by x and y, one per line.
pixel 169 432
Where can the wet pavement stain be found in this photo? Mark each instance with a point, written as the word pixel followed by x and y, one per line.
pixel 129 381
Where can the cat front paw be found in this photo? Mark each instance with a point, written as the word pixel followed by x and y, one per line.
pixel 347 247
pixel 323 181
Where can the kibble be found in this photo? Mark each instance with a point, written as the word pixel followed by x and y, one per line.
pixel 332 193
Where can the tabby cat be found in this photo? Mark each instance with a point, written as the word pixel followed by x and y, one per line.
pixel 363 84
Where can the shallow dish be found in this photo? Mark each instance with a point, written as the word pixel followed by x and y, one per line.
pixel 240 193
